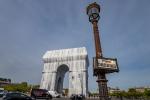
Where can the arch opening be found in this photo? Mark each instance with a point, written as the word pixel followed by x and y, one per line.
pixel 61 71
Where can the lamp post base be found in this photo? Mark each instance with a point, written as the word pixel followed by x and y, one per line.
pixel 102 84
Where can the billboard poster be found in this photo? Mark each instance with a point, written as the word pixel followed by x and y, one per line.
pixel 108 64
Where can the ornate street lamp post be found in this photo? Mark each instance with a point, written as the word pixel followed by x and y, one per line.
pixel 101 65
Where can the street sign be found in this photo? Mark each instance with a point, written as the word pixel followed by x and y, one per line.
pixel 108 65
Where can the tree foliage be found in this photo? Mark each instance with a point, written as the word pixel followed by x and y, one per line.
pixel 5 79
pixel 21 87
pixel 132 93
pixel 147 93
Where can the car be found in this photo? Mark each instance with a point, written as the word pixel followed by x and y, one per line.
pixel 54 94
pixel 2 92
pixel 77 97
pixel 41 94
pixel 81 97
pixel 16 96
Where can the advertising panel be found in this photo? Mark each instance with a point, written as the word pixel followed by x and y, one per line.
pixel 106 64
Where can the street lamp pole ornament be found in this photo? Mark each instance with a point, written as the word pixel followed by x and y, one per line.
pixel 93 11
pixel 101 65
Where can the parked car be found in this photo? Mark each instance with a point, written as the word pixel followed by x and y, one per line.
pixel 41 94
pixel 16 96
pixel 81 97
pixel 54 94
pixel 77 97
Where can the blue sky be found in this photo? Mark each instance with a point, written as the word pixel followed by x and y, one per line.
pixel 28 28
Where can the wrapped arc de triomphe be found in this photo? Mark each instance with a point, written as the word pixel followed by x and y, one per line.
pixel 58 62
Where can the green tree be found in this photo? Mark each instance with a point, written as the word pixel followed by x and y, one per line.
pixel 147 93
pixel 21 87
pixel 132 93
pixel 9 87
pixel 35 86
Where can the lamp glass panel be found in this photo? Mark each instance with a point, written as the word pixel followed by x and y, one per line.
pixel 94 10
pixel 90 12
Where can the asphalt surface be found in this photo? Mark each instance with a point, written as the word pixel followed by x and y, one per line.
pixel 87 99
pixel 63 98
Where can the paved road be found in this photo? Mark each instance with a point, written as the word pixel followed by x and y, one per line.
pixel 61 99
pixel 87 99
pixel 52 99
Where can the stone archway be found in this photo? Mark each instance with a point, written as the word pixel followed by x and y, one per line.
pixel 58 62
pixel 61 71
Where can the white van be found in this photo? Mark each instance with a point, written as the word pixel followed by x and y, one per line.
pixel 54 94
pixel 2 92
